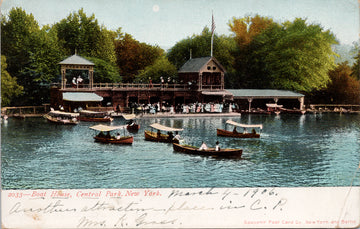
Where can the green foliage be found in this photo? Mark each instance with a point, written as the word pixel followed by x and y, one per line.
pixel 245 30
pixel 9 86
pixel 161 68
pixel 32 55
pixel 46 55
pixel 133 56
pixel 81 33
pixel 17 38
pixel 356 66
pixel 292 56
pixel 105 72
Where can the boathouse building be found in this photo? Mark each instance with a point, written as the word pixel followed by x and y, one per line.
pixel 201 80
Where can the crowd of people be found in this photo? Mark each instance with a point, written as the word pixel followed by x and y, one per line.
pixel 182 108
pixel 108 135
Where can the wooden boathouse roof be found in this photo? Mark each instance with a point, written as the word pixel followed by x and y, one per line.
pixel 197 65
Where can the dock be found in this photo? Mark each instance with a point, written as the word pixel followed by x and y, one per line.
pixel 25 111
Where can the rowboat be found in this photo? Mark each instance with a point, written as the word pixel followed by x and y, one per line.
pixel 292 111
pixel 235 134
pixel 222 153
pixel 94 116
pixel 61 117
pixel 108 138
pixel 130 121
pixel 274 108
pixel 160 137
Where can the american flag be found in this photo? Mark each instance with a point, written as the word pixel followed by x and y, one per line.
pixel 213 26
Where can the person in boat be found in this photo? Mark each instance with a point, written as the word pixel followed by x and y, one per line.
pixel 158 134
pixel 245 131
pixel 108 134
pixel 177 136
pixel 131 122
pixel 118 136
pixel 101 134
pixel 253 131
pixel 234 130
pixel 217 147
pixel 170 135
pixel 203 146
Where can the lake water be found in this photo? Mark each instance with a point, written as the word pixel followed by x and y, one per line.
pixel 294 150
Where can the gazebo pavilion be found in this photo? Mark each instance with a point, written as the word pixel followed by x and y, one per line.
pixel 76 62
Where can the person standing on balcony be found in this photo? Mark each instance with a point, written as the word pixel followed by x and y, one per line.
pixel 162 81
pixel 74 84
pixel 150 82
pixel 79 81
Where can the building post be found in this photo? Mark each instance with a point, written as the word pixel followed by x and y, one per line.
pixel 91 77
pixel 200 81
pixel 301 100
pixel 222 81
pixel 63 77
pixel 250 100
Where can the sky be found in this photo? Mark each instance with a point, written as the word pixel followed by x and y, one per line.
pixel 166 22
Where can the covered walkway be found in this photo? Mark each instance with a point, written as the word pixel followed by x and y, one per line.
pixel 275 95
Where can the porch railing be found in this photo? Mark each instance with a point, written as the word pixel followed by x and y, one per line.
pixel 137 86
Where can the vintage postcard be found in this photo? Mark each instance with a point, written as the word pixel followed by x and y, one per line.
pixel 180 114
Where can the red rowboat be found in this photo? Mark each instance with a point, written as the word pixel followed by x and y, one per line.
pixel 108 138
pixel 235 134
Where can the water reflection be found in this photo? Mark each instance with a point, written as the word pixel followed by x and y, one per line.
pixel 294 150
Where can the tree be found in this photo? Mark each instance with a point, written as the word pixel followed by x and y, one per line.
pixel 105 72
pixel 292 56
pixel 161 68
pixel 343 88
pixel 82 34
pixel 356 66
pixel 133 56
pixel 47 53
pixel 17 38
pixel 245 30
pixel 32 56
pixel 9 86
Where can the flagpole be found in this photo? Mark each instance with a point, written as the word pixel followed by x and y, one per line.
pixel 212 33
pixel 212 38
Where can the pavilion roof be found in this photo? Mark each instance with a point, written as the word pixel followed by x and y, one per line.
pixel 76 60
pixel 264 93
pixel 82 97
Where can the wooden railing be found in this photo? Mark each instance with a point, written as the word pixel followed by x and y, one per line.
pixel 26 110
pixel 351 107
pixel 139 86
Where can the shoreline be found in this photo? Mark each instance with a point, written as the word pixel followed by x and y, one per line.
pixel 180 115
